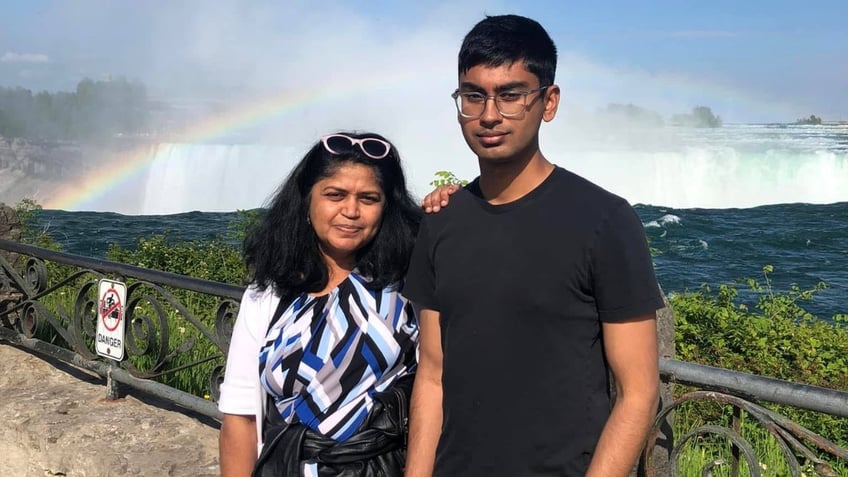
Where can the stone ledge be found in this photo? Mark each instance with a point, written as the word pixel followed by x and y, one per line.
pixel 56 421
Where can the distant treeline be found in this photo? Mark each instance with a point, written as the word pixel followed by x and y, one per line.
pixel 700 117
pixel 97 109
pixel 812 120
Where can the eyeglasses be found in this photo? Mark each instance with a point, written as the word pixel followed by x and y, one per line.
pixel 370 146
pixel 509 103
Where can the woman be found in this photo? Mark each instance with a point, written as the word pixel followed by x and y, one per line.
pixel 324 343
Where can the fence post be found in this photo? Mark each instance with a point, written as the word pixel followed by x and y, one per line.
pixel 664 443
pixel 114 389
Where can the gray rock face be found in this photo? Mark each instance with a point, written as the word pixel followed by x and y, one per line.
pixel 39 170
pixel 52 159
pixel 58 422
pixel 35 169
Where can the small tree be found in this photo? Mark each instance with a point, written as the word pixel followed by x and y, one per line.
pixel 812 120
pixel 704 117
pixel 701 117
pixel 444 178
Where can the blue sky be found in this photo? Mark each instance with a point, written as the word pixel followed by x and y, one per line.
pixel 750 61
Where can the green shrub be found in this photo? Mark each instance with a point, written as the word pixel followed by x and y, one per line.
pixel 777 338
pixel 443 178
pixel 215 260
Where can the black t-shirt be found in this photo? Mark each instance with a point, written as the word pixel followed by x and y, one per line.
pixel 522 289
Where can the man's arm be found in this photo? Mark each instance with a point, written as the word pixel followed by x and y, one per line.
pixel 631 350
pixel 425 424
pixel 237 445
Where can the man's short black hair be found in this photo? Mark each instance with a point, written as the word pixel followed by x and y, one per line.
pixel 505 39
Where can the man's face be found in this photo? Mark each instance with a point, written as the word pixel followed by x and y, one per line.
pixel 498 139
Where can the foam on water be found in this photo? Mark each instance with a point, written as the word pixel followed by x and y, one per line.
pixel 663 221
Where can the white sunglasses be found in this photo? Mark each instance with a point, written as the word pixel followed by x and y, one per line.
pixel 370 146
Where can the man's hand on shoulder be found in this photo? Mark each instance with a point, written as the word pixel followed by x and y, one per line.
pixel 438 198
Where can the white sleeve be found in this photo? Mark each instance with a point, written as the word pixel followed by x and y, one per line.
pixel 241 392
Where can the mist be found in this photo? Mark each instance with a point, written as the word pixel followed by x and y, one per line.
pixel 336 66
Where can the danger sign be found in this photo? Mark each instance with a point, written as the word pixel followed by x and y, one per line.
pixel 110 319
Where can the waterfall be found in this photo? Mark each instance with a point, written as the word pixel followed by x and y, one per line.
pixel 719 177
pixel 213 177
pixel 729 167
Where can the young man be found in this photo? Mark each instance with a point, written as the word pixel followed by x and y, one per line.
pixel 533 284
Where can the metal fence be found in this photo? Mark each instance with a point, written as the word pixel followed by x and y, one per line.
pixel 177 332
pixel 177 328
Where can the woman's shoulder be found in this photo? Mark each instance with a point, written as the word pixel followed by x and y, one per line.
pixel 255 293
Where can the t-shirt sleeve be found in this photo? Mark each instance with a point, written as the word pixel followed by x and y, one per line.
pixel 420 285
pixel 241 385
pixel 622 269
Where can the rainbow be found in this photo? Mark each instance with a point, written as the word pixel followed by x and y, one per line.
pixel 74 195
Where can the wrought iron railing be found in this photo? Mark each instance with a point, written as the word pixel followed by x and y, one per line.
pixel 804 453
pixel 48 304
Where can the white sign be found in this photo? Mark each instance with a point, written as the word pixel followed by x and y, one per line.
pixel 110 319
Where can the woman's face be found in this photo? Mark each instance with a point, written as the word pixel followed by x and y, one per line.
pixel 345 210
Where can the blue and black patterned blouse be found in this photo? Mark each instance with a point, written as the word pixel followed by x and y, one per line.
pixel 325 356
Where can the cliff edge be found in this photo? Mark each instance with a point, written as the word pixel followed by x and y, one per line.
pixel 56 421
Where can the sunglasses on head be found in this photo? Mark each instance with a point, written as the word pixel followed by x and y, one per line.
pixel 370 146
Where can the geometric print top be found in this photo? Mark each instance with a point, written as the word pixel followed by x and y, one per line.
pixel 326 356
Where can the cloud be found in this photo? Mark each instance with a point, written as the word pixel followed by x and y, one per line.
pixel 12 57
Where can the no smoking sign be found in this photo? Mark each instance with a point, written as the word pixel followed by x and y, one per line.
pixel 110 319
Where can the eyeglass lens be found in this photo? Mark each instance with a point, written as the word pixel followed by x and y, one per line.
pixel 474 105
pixel 374 148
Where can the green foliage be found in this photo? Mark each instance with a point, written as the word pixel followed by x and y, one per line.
pixel 96 109
pixel 812 120
pixel 214 260
pixel 247 219
pixel 776 338
pixel 28 211
pixel 443 178
pixel 697 453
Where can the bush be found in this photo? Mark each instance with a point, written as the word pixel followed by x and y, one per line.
pixel 214 260
pixel 777 338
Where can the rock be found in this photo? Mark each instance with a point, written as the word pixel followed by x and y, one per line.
pixel 56 421
pixel 10 224
pixel 10 229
